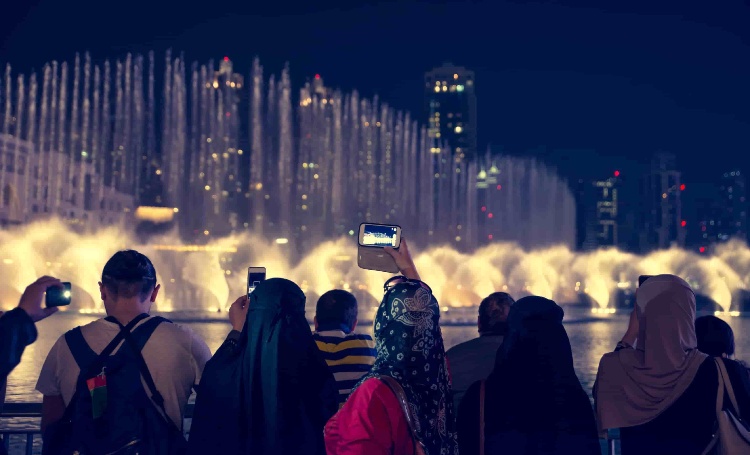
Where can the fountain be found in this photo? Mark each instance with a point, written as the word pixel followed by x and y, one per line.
pixel 210 276
pixel 85 142
pixel 309 168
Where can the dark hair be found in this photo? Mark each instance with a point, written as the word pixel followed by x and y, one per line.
pixel 715 337
pixel 490 316
pixel 336 309
pixel 128 274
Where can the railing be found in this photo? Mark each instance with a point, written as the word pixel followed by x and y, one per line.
pixel 34 410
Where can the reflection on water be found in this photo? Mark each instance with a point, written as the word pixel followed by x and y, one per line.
pixel 590 340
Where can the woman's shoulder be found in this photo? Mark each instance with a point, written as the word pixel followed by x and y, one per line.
pixel 373 388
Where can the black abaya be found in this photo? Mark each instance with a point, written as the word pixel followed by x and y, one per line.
pixel 270 392
pixel 534 403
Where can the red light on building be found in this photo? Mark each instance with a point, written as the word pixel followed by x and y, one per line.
pixel 617 173
pixel 489 236
pixel 684 223
pixel 682 187
pixel 703 228
pixel 489 215
pixel 226 59
pixel 499 187
pixel 702 249
pixel 484 209
pixel 317 76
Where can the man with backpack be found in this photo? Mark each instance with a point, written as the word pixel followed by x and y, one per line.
pixel 94 401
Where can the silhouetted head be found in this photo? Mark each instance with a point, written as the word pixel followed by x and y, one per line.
pixel 715 337
pixel 336 310
pixel 493 313
pixel 128 276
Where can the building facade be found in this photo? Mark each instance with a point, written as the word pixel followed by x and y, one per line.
pixel 451 110
pixel 661 222
pixel 37 185
pixel 598 213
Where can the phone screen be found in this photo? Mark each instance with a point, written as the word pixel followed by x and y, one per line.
pixel 254 276
pixel 56 296
pixel 380 235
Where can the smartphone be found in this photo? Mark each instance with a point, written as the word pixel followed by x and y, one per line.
pixel 379 235
pixel 56 296
pixel 372 239
pixel 254 276
pixel 643 278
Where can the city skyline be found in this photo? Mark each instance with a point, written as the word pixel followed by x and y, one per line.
pixel 565 81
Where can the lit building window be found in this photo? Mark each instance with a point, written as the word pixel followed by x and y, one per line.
pixel 445 89
pixel 458 129
pixel 459 88
pixel 437 89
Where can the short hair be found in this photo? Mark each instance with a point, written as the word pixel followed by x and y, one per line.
pixel 715 337
pixel 336 308
pixel 128 274
pixel 490 317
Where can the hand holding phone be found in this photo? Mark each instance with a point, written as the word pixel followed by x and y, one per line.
pixel 373 239
pixel 31 300
pixel 254 276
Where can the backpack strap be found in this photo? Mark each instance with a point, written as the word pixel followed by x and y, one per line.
pixel 82 352
pixel 85 357
pixel 136 341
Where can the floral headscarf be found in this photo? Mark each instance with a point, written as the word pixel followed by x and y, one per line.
pixel 410 349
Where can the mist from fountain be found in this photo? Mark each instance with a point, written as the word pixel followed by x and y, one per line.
pixel 207 280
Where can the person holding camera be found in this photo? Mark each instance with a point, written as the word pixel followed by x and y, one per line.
pixel 403 405
pixel 17 329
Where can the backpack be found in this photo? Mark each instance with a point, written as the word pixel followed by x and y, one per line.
pixel 111 412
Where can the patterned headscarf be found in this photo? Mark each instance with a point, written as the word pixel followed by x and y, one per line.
pixel 410 349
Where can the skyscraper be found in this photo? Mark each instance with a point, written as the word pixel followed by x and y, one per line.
pixel 598 213
pixel 451 110
pixel 660 220
pixel 732 222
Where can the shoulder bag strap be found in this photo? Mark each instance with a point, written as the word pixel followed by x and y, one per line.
pixel 728 385
pixel 401 397
pixel 719 408
pixel 481 416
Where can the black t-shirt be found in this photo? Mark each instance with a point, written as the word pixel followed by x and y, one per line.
pixel 686 427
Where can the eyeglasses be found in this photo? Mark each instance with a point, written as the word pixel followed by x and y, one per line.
pixel 393 281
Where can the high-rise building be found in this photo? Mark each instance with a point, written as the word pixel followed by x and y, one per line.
pixel 660 221
pixel 451 110
pixel 732 222
pixel 598 213
pixel 223 191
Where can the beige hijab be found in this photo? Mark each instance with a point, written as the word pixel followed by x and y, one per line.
pixel 634 386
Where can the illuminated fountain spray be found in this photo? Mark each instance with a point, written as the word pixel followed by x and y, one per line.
pixel 210 276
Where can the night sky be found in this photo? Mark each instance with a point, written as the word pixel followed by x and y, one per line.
pixel 589 88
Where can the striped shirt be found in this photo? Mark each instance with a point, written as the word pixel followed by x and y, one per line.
pixel 348 356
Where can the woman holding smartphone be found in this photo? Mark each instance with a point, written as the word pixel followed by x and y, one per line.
pixel 403 405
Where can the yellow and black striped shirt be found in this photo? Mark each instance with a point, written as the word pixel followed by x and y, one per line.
pixel 348 356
